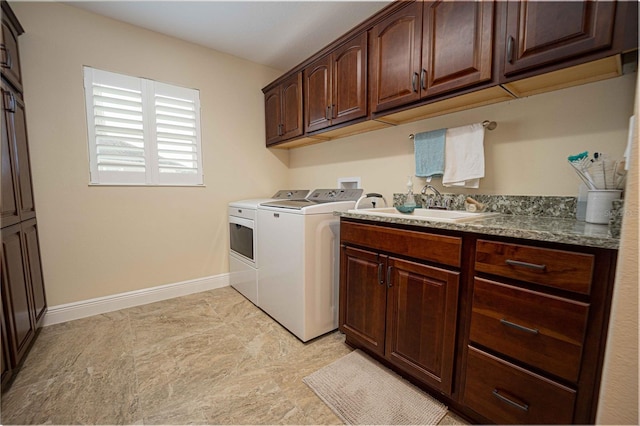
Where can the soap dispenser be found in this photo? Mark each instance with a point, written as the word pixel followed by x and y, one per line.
pixel 410 199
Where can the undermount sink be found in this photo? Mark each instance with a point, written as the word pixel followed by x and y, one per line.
pixel 453 216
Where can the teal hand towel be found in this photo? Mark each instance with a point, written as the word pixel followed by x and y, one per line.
pixel 429 150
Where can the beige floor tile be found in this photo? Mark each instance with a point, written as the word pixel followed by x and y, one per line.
pixel 205 358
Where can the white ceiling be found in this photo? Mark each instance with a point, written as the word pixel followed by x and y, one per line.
pixel 279 34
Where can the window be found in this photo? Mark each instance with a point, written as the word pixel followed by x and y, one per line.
pixel 142 132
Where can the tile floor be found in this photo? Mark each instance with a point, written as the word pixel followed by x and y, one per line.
pixel 206 358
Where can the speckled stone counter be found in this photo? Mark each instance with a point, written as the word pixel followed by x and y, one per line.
pixel 542 219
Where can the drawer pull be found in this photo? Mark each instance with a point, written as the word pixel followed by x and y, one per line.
pixel 523 407
pixel 519 327
pixel 512 262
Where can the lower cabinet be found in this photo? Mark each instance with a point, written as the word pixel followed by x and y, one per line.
pixel 402 310
pixel 23 295
pixel 505 330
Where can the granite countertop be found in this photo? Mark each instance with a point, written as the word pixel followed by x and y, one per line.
pixel 532 218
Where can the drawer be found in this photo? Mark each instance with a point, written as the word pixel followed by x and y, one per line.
pixel 507 394
pixel 242 212
pixel 554 268
pixel 420 245
pixel 543 331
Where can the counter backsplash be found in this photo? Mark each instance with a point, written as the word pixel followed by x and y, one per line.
pixel 523 205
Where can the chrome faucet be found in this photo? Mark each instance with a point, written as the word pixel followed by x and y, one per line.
pixel 435 191
pixel 437 202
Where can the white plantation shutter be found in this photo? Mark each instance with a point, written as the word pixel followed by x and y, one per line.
pixel 142 132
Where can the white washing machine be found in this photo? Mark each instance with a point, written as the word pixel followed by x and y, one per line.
pixel 243 226
pixel 298 247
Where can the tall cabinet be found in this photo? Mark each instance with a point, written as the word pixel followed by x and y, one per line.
pixel 23 295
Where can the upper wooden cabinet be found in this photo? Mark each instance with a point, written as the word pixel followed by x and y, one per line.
pixel 10 59
pixel 335 86
pixel 543 33
pixel 430 48
pixel 283 110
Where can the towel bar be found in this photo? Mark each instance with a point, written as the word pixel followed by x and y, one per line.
pixel 489 125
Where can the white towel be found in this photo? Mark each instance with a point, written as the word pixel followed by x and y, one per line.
pixel 464 156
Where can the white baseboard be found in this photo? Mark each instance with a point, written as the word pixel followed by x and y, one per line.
pixel 86 308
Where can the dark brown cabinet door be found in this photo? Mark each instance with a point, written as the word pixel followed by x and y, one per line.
pixel 363 298
pixel 283 110
pixel 336 86
pixel 317 90
pixel 9 59
pixel 292 124
pixel 349 96
pixel 421 321
pixel 15 160
pixel 10 213
pixel 543 33
pixel 272 112
pixel 457 45
pixel 396 58
pixel 34 264
pixel 16 294
pixel 6 360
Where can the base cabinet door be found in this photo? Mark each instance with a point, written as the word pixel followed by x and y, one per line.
pixel 16 294
pixel 402 311
pixel 363 298
pixel 6 360
pixel 421 321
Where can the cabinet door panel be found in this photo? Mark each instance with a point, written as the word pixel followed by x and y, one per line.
pixel 6 360
pixel 32 251
pixel 421 321
pixel 397 43
pixel 350 81
pixel 10 61
pixel 10 213
pixel 27 205
pixel 15 283
pixel 363 298
pixel 272 110
pixel 292 107
pixel 457 45
pixel 540 33
pixel 317 101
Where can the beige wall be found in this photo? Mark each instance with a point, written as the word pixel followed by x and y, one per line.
pixel 525 155
pixel 98 241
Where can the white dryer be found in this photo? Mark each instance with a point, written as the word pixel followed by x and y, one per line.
pixel 243 234
pixel 298 247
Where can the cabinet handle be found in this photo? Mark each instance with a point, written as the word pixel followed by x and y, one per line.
pixel 519 327
pixel 510 42
pixel 327 115
pixel 11 107
pixel 423 79
pixel 380 268
pixel 280 129
pixel 389 284
pixel 536 266
pixel 333 110
pixel 276 215
pixel 523 407
pixel 414 82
